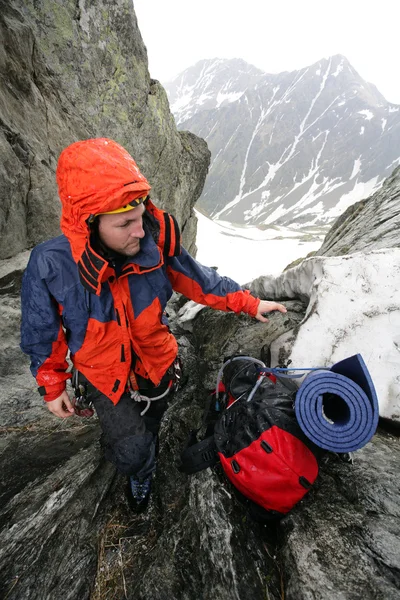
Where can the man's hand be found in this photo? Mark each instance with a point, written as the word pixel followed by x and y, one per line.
pixel 61 406
pixel 266 306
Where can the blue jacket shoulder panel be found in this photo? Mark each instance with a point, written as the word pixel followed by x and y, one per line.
pixel 50 286
pixel 52 262
pixel 209 280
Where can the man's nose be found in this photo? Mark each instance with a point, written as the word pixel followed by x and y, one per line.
pixel 138 231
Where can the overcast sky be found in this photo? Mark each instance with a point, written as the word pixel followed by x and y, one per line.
pixel 282 35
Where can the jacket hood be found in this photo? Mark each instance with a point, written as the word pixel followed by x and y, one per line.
pixel 94 176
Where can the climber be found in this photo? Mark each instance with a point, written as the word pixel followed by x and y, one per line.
pixel 99 291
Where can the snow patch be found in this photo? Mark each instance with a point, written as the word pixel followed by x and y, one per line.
pixel 231 138
pixel 244 253
pixel 362 130
pixel 203 98
pixel 280 211
pixel 367 114
pixel 356 167
pixel 384 121
pixel 215 158
pixel 360 190
pixel 365 287
pixel 189 311
pixel 339 69
pixel 230 97
pixel 182 102
pixel 395 162
pixel 265 194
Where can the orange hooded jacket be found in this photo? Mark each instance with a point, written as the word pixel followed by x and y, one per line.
pixel 73 298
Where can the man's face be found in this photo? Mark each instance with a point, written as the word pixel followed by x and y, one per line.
pixel 122 232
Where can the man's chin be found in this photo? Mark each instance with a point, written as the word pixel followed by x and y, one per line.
pixel 132 249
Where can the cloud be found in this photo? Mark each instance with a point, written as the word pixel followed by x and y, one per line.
pixel 274 36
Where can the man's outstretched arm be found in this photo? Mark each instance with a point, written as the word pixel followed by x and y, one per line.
pixel 205 286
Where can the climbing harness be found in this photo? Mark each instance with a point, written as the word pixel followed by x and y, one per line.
pixel 173 386
pixel 83 406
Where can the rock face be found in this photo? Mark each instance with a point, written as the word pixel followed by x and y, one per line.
pixel 60 507
pixel 53 485
pixel 288 148
pixel 63 506
pixel 372 223
pixel 53 494
pixel 344 543
pixel 72 71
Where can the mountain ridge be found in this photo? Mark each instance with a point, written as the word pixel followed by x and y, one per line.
pixel 294 148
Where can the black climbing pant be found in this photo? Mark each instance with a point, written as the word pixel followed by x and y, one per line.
pixel 129 440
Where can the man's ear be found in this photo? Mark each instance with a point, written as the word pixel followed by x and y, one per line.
pixel 93 222
pixel 94 229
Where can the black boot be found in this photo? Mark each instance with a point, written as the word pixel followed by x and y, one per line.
pixel 138 493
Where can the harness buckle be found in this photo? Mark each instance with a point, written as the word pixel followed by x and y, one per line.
pixel 82 404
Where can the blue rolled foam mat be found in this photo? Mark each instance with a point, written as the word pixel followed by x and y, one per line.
pixel 337 409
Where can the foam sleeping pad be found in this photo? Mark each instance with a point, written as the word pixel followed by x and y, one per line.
pixel 337 409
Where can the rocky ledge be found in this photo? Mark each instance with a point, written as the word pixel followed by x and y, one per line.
pixel 66 530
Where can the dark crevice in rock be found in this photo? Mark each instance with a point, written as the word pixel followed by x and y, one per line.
pixel 382 220
pixel 11 283
pixel 17 143
pixel 154 84
pixel 38 457
pixel 28 191
pixel 37 83
pixel 77 13
pixel 160 156
pixel 390 426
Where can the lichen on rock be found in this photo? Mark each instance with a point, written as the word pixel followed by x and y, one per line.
pixel 75 71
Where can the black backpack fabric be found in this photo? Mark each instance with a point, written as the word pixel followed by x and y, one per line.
pixel 257 440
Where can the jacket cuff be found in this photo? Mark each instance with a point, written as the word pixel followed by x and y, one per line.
pixel 51 392
pixel 251 305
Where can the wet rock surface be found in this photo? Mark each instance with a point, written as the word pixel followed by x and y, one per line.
pixel 66 529
pixel 55 488
pixel 74 71
pixel 344 543
pixel 53 491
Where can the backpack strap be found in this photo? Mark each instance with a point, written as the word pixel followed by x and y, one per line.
pixel 197 456
pixel 172 236
pixel 168 237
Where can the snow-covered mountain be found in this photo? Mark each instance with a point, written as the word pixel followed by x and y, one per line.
pixel 294 148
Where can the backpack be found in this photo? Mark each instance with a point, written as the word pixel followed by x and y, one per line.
pixel 253 432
